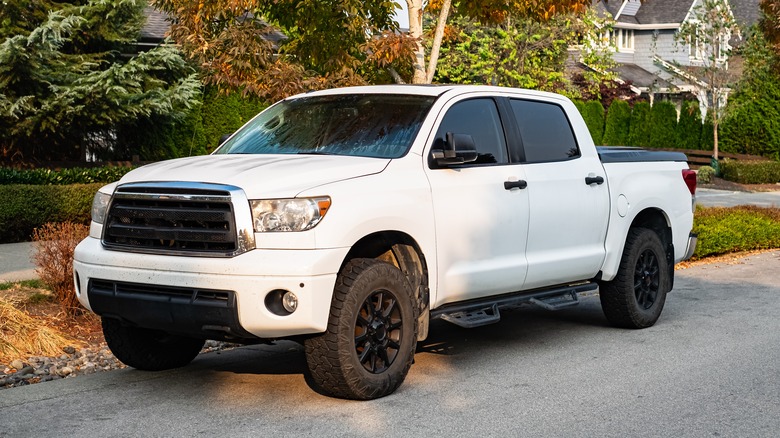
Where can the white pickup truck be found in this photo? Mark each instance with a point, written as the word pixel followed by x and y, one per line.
pixel 347 219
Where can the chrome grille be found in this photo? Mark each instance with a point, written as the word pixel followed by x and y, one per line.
pixel 171 219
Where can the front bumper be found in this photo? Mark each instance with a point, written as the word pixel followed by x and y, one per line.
pixel 247 279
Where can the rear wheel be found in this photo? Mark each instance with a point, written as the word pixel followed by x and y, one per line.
pixel 369 345
pixel 149 350
pixel 636 297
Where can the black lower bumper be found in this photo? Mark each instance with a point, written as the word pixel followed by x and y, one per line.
pixel 198 313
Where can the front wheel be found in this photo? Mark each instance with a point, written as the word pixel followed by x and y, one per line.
pixel 369 345
pixel 636 296
pixel 149 350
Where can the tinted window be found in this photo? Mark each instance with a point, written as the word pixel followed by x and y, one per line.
pixel 479 119
pixel 368 125
pixel 545 131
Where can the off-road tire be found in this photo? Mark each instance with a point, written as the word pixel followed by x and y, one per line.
pixel 635 297
pixel 369 345
pixel 149 350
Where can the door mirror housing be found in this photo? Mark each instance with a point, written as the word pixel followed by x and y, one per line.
pixel 224 138
pixel 458 149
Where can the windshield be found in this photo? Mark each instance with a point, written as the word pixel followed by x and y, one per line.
pixel 366 125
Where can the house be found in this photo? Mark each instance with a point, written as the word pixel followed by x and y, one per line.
pixel 647 52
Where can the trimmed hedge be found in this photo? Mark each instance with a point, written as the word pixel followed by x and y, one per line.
pixel 74 175
pixel 618 123
pixel 689 126
pixel 593 113
pixel 26 207
pixel 744 228
pixel 751 172
pixel 663 125
pixel 639 130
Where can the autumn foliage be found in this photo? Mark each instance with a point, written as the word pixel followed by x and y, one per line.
pixel 55 243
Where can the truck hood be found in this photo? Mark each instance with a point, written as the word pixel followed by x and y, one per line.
pixel 260 176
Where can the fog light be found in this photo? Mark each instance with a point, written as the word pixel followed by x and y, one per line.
pixel 289 302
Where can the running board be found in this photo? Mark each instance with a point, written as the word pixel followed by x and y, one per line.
pixel 485 311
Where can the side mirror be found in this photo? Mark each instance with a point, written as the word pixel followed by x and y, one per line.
pixel 458 149
pixel 224 138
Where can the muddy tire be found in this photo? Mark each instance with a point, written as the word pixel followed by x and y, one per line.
pixel 149 350
pixel 369 345
pixel 636 297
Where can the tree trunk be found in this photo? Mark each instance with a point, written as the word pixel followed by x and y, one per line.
pixel 437 37
pixel 415 31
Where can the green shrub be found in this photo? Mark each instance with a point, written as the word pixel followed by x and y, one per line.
pixel 618 122
pixel 224 114
pixel 751 172
pixel 639 129
pixel 705 174
pixel 26 207
pixel 663 125
pixel 723 230
pixel 74 175
pixel 689 126
pixel 593 113
pixel 156 139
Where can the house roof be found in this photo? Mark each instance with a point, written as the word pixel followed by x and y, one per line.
pixel 746 12
pixel 156 26
pixel 640 77
pixel 663 11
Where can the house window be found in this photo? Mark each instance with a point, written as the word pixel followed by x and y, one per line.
pixel 625 40
pixel 696 48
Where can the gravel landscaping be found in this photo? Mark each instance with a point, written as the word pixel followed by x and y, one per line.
pixel 71 363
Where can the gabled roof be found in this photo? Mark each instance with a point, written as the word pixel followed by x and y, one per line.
pixel 746 12
pixel 663 11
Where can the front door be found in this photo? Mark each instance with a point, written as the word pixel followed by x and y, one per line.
pixel 480 209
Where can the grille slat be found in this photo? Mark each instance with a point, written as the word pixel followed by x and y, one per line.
pixel 163 221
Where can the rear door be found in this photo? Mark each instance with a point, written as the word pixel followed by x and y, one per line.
pixel 480 209
pixel 568 197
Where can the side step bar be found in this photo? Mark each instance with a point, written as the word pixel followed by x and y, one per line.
pixel 485 311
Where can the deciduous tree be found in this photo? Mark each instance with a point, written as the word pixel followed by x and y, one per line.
pixel 708 35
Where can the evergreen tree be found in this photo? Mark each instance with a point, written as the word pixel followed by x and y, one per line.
pixel 65 86
pixel 689 126
pixel 663 122
pixel 593 113
pixel 754 108
pixel 639 130
pixel 618 123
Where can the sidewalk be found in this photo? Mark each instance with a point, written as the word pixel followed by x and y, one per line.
pixel 727 198
pixel 16 262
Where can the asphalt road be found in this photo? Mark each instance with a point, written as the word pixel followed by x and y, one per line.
pixel 708 368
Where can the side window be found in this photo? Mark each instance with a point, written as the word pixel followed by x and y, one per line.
pixel 545 131
pixel 479 119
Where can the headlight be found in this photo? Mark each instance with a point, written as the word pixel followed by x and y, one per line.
pixel 100 206
pixel 298 214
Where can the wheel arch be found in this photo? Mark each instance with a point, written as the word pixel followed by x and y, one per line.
pixel 402 251
pixel 657 221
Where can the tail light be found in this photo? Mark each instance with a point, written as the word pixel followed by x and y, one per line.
pixel 689 177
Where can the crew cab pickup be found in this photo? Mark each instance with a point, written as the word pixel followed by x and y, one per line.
pixel 348 219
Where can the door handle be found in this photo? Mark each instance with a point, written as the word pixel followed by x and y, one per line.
pixel 509 185
pixel 594 180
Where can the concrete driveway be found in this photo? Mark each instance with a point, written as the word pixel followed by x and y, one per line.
pixel 709 367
